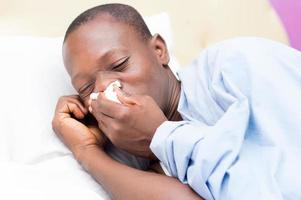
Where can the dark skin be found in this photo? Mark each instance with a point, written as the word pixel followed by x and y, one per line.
pixel 97 53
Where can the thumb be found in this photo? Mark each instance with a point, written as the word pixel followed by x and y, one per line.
pixel 124 97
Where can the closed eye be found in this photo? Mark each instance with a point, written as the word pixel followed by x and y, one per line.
pixel 120 66
pixel 86 90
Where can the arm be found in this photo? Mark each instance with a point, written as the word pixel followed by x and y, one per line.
pixel 201 155
pixel 123 182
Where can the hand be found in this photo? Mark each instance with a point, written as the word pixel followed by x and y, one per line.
pixel 67 125
pixel 131 124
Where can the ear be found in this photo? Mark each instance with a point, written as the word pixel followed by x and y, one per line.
pixel 159 46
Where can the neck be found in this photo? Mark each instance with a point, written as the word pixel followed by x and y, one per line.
pixel 172 113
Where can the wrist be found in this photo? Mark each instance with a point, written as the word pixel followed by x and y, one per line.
pixel 82 153
pixel 91 156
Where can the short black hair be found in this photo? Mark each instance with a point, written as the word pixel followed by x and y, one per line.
pixel 123 13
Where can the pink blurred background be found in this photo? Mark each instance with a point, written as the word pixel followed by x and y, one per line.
pixel 289 12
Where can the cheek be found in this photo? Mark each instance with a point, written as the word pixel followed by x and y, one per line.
pixel 141 74
pixel 140 81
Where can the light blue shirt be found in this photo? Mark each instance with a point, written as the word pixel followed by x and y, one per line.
pixel 240 137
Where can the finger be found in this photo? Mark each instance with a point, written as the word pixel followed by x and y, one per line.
pixel 76 99
pixel 89 105
pixel 89 101
pixel 73 99
pixel 72 108
pixel 105 123
pixel 107 107
pixel 124 97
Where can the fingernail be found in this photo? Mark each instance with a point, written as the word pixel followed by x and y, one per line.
pixel 90 109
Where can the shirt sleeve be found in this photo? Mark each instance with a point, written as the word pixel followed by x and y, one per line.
pixel 198 154
pixel 251 81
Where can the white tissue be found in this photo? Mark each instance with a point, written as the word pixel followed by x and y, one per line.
pixel 109 92
pixel 94 95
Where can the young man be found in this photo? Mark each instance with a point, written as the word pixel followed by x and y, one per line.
pixel 230 129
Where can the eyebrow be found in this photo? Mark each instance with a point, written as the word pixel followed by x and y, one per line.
pixel 110 53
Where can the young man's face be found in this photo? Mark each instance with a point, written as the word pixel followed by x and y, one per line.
pixel 104 50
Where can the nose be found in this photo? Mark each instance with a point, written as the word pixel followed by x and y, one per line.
pixel 102 82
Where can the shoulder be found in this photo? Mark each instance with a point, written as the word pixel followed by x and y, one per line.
pixel 235 51
pixel 236 55
pixel 242 44
pixel 236 58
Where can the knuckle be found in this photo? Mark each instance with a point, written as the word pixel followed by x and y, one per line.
pixel 147 98
pixel 100 124
pixel 55 124
pixel 115 129
pixel 67 97
pixel 123 114
pixel 142 99
pixel 138 97
pixel 62 99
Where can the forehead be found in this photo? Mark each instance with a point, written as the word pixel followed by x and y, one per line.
pixel 99 38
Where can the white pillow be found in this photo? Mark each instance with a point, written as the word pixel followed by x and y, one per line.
pixel 32 78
